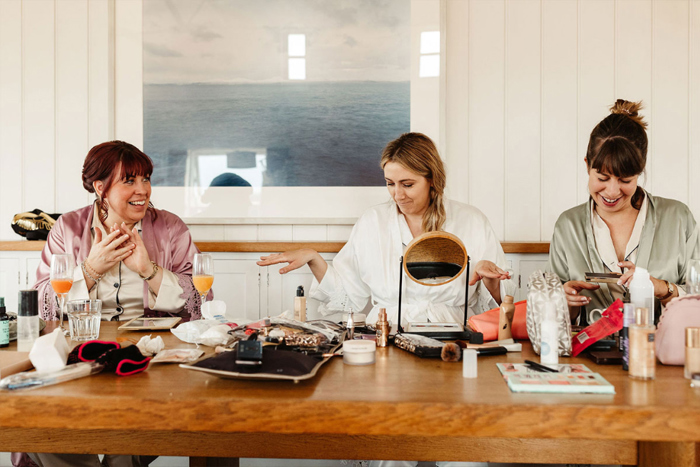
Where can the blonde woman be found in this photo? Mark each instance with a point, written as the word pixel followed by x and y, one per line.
pixel 367 267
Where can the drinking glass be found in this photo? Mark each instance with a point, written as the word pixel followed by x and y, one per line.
pixel 692 280
pixel 84 319
pixel 62 280
pixel 203 274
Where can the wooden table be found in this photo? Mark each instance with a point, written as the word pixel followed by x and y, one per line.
pixel 402 407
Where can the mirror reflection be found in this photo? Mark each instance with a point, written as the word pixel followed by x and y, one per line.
pixel 435 258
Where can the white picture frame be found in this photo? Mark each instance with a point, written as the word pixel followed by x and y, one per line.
pixel 311 205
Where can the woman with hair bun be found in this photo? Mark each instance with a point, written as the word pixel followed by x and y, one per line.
pixel 367 267
pixel 133 257
pixel 622 225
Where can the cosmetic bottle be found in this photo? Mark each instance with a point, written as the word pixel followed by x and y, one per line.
pixel 506 318
pixel 300 305
pixel 627 319
pixel 642 361
pixel 4 325
pixel 27 320
pixel 692 351
pixel 382 329
pixel 350 326
pixel 642 292
pixel 549 336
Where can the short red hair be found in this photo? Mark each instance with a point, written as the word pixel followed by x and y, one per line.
pixel 103 160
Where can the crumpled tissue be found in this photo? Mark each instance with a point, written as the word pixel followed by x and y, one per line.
pixel 203 331
pixel 150 347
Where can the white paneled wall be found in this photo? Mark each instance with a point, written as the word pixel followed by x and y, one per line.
pixel 523 84
pixel 526 82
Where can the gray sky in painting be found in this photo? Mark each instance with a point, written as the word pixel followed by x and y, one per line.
pixel 233 41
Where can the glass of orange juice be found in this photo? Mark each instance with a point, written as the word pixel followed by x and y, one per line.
pixel 62 266
pixel 203 274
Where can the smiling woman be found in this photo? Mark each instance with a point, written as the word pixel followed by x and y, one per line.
pixel 133 257
pixel 367 266
pixel 622 226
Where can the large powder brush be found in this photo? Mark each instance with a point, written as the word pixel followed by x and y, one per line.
pixel 451 352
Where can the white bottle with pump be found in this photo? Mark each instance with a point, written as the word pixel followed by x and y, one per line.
pixel 549 336
pixel 642 292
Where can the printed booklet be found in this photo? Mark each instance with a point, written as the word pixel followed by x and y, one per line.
pixel 572 379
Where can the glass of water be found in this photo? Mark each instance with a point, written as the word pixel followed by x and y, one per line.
pixel 84 319
pixel 692 281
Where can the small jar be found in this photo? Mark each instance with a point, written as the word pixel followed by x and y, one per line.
pixel 642 361
pixel 692 351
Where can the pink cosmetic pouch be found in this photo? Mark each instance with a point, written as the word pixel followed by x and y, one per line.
pixel 680 313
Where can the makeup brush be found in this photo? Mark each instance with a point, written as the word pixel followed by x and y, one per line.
pixel 450 352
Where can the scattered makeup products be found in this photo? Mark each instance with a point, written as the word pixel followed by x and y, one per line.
pixel 359 352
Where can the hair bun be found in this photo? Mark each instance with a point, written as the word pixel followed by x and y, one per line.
pixel 631 109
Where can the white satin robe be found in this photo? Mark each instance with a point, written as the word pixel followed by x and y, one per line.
pixel 368 267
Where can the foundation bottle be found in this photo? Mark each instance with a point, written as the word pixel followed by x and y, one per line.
pixel 642 359
pixel 383 329
pixel 692 351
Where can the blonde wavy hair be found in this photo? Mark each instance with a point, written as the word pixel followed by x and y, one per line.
pixel 417 153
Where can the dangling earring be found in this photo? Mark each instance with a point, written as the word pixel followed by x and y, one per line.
pixel 150 205
pixel 104 209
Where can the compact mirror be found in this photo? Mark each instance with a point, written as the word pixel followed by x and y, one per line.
pixel 435 258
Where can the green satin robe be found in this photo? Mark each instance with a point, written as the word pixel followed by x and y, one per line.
pixel 669 240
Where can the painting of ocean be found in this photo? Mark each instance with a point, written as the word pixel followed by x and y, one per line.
pixel 310 133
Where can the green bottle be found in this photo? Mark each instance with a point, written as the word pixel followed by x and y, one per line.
pixel 4 325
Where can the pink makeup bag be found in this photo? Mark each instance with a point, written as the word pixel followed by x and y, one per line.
pixel 680 313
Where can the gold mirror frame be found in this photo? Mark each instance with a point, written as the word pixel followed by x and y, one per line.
pixel 435 247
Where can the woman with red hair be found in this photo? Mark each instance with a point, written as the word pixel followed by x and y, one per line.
pixel 133 257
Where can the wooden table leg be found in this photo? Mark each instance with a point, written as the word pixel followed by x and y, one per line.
pixel 676 454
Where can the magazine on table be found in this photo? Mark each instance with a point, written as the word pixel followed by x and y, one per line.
pixel 571 378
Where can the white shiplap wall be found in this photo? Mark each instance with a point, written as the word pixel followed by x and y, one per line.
pixel 524 83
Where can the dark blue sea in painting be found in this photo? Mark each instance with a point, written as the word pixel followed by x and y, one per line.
pixel 312 134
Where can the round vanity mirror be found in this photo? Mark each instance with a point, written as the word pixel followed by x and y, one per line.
pixel 435 258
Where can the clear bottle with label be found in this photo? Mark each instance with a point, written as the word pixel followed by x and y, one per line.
pixel 549 336
pixel 692 352
pixel 27 320
pixel 4 325
pixel 642 360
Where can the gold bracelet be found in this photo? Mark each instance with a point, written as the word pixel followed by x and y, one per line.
pixel 153 274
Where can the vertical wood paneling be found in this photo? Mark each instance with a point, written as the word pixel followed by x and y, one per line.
pixel 101 71
pixel 38 19
pixel 10 114
pixel 457 101
pixel 486 112
pixel 633 52
pixel 694 120
pixel 559 110
pixel 596 76
pixel 669 161
pixel 523 111
pixel 71 101
pixel 128 69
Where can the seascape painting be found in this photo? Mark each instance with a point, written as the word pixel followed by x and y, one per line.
pixel 274 93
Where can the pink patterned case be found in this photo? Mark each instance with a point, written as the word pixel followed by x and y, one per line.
pixel 680 313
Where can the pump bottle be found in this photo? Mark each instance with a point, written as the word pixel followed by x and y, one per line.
pixel 642 292
pixel 549 336
pixel 27 320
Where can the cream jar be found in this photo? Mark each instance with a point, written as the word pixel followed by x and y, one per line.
pixel 359 352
